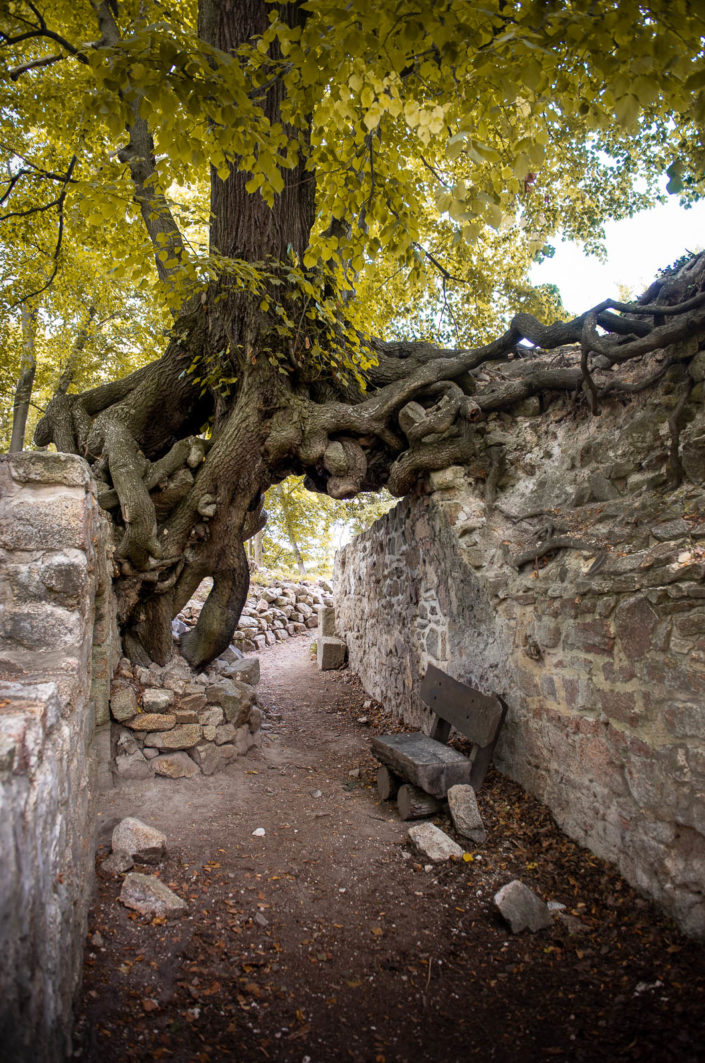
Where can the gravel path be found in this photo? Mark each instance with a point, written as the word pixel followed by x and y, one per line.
pixel 326 939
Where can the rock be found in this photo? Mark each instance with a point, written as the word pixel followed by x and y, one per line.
pixel 521 908
pixel 192 702
pixel 331 653
pixel 123 704
pixel 150 753
pixel 156 699
pixel 148 896
pixel 244 740
pixel 117 863
pixel 182 736
pixel 231 655
pixel 224 733
pixel 211 758
pixel 255 720
pixel 152 721
pixel 145 844
pixel 175 766
pixel 209 733
pixel 237 706
pixel 212 716
pixel 433 843
pixel 465 813
pixel 185 716
pixel 133 765
pixel 178 627
pixel 246 670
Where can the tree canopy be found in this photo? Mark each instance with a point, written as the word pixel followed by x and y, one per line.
pixel 284 181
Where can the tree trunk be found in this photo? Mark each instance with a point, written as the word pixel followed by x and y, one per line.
pixel 25 382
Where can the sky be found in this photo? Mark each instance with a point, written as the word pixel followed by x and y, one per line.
pixel 636 249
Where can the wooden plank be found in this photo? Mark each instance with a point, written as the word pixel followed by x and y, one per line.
pixel 475 715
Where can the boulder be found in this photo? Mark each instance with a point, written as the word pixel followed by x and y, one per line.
pixel 521 908
pixel 148 896
pixel 145 844
pixel 465 814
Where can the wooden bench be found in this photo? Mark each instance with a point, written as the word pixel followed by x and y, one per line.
pixel 426 761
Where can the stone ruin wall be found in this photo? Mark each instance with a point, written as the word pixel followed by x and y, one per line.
pixel 598 647
pixel 58 650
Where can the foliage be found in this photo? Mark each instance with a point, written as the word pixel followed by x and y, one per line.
pixel 303 526
pixel 448 146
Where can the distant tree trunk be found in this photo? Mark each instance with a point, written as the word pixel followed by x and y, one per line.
pixel 289 525
pixel 257 547
pixel 69 370
pixel 25 382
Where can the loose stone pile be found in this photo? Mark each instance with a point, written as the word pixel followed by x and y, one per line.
pixel 275 610
pixel 171 722
pixel 168 721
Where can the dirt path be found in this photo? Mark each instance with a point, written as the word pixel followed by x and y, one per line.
pixel 327 940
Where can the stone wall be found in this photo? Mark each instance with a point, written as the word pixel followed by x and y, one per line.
pixel 578 595
pixel 54 683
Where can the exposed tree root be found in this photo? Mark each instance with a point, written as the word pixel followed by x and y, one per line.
pixel 181 470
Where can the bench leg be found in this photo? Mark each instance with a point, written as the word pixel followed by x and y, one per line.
pixel 387 783
pixel 414 803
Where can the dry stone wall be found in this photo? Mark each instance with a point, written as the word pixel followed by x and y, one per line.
pixel 276 610
pixel 172 722
pixel 57 652
pixel 578 594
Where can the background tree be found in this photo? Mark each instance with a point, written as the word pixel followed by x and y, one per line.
pixel 277 157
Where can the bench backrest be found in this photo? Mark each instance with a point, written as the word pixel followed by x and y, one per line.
pixel 475 715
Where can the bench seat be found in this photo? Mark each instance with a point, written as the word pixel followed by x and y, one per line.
pixel 428 764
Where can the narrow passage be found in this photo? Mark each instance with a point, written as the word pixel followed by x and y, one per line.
pixel 326 939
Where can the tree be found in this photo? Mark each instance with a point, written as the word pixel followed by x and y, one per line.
pixel 346 144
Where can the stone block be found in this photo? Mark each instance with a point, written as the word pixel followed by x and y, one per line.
pixel 39 626
pixel 32 524
pixel 635 623
pixel 326 620
pixel 331 653
pixel 433 843
pixel 182 736
pixel 47 468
